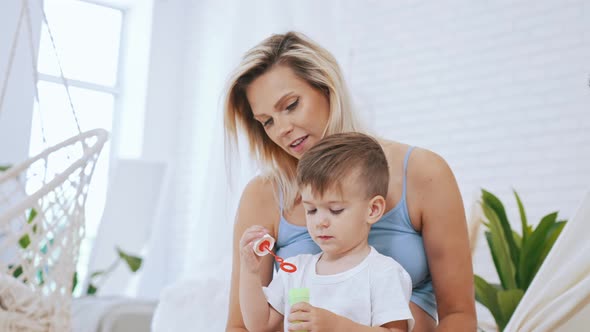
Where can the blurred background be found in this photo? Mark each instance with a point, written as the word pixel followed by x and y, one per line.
pixel 500 89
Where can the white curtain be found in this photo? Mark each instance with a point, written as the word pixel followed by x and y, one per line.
pixel 194 235
pixel 558 299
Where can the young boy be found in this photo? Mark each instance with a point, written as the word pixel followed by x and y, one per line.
pixel 343 183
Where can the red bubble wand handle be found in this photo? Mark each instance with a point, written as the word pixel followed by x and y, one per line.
pixel 264 246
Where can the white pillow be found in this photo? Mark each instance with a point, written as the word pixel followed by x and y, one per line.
pixel 196 304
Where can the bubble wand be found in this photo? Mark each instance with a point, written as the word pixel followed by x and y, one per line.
pixel 264 246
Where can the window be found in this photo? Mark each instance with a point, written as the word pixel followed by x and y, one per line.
pixel 87 37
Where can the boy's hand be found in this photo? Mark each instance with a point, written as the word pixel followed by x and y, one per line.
pixel 248 259
pixel 305 317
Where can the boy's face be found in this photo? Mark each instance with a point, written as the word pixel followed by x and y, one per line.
pixel 339 221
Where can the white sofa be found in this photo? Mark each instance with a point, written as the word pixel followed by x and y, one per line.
pixel 111 314
pixel 197 304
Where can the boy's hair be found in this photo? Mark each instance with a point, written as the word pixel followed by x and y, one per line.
pixel 340 155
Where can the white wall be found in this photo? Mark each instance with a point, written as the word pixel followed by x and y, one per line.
pixel 499 89
pixel 17 109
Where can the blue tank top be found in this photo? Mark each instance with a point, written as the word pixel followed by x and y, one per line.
pixel 393 235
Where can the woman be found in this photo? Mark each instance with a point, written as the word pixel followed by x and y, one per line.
pixel 287 94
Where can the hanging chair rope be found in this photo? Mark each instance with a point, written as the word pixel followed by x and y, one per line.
pixel 42 202
pixel 41 226
pixel 61 71
pixel 26 13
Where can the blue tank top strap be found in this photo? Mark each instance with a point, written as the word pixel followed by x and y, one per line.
pixel 406 158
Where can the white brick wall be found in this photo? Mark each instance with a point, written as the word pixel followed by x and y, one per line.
pixel 499 89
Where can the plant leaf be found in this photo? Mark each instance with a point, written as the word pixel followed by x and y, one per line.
pixel 517 239
pixel 133 262
pixel 44 248
pixel 496 286
pixel 533 249
pixel 526 230
pixel 496 205
pixel 30 219
pixel 96 274
pixel 32 216
pixel 91 290
pixel 499 250
pixel 40 278
pixel 18 271
pixel 24 241
pixel 508 301
pixel 486 294
pixel 74 281
pixel 4 167
pixel 552 236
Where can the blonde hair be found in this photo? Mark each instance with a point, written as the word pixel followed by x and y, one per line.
pixel 311 63
pixel 339 156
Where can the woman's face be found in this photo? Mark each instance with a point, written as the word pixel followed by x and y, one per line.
pixel 292 112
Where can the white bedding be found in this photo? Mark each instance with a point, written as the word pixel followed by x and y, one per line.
pixel 197 304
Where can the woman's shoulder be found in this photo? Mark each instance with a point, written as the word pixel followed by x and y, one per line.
pixel 427 167
pixel 260 191
pixel 422 163
pixel 259 204
pixel 424 168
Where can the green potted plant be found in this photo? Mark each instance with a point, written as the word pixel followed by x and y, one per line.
pixel 98 277
pixel 517 257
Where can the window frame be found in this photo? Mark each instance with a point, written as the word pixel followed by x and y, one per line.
pixel 117 93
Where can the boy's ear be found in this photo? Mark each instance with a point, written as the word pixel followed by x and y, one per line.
pixel 376 209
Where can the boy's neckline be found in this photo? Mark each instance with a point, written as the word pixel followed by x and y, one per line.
pixel 345 272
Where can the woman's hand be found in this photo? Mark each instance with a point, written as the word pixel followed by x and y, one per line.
pixel 305 317
pixel 249 260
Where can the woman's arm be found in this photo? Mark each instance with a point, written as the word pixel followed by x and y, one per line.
pixel 397 326
pixel 432 189
pixel 258 206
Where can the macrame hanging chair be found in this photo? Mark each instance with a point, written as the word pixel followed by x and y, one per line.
pixel 42 220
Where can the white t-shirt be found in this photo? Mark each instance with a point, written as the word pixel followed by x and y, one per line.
pixel 374 292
